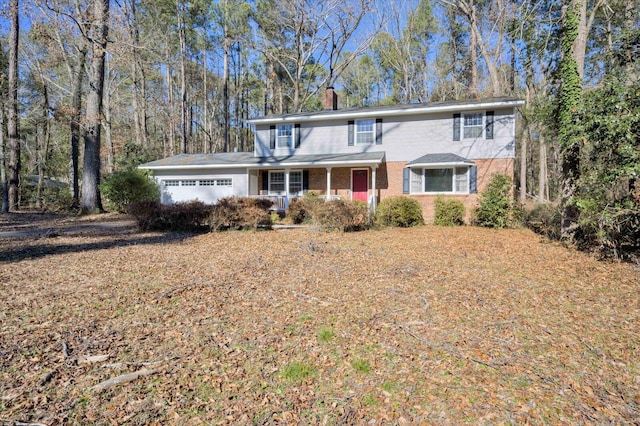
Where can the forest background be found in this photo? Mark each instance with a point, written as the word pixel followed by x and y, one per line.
pixel 94 87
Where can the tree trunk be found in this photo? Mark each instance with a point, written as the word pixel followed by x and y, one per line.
pixel 76 105
pixel 473 57
pixel 106 105
pixel 12 118
pixel 542 171
pixel 3 164
pixel 42 143
pixel 225 93
pixel 170 99
pixel 183 79
pixel 91 165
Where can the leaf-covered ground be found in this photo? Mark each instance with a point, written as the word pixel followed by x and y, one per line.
pixel 396 326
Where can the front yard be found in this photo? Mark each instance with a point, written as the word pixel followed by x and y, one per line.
pixel 396 326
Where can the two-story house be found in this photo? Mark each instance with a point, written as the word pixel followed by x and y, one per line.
pixel 367 154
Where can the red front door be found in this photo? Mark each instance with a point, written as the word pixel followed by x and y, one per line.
pixel 360 185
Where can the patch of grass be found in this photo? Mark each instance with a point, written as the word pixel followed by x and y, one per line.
pixel 361 365
pixel 389 386
pixel 326 334
pixel 298 372
pixel 370 400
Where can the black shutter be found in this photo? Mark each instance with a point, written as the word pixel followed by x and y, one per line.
pixel 378 131
pixel 305 181
pixel 406 182
pixel 296 135
pixel 489 131
pixel 272 137
pixel 350 136
pixel 456 127
pixel 473 180
pixel 265 180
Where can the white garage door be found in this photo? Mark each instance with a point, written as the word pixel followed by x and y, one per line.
pixel 206 190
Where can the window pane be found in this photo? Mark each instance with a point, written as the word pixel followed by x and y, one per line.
pixel 438 180
pixel 416 180
pixel 285 136
pixel 276 182
pixel 295 183
pixel 472 126
pixel 462 179
pixel 364 131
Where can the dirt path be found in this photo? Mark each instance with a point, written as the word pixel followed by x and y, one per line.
pixel 38 225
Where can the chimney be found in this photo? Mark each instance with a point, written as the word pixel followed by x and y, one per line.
pixel 330 99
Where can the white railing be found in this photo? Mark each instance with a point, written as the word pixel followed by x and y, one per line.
pixel 280 201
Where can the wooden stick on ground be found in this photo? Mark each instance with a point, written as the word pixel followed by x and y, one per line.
pixel 125 378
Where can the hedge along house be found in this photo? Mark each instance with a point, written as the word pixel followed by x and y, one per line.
pixel 419 150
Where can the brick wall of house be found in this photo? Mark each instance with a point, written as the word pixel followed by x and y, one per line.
pixel 389 182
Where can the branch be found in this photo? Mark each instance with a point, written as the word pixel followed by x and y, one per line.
pixel 124 378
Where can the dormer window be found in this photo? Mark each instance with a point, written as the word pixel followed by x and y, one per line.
pixel 364 132
pixel 285 136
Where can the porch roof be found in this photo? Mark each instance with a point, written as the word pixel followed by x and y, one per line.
pixel 440 159
pixel 233 160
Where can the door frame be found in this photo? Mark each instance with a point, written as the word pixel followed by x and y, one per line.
pixel 368 181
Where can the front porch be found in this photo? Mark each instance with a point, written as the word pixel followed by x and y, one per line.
pixel 281 185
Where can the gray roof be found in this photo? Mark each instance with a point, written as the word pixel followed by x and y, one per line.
pixel 247 159
pixel 444 158
pixel 394 110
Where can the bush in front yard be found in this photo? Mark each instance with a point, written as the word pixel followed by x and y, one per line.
pixel 342 215
pixel 496 205
pixel 234 213
pixel 190 216
pixel 131 186
pixel 399 211
pixel 448 212
pixel 303 209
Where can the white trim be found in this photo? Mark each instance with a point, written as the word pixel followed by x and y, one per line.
pixel 371 132
pixel 439 165
pixel 386 113
pixel 264 165
pixel 453 180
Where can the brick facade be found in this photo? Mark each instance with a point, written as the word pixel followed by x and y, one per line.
pixel 389 182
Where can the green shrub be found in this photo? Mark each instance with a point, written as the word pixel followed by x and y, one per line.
pixel 237 213
pixel 399 211
pixel 448 212
pixel 123 188
pixel 342 215
pixel 496 206
pixel 189 216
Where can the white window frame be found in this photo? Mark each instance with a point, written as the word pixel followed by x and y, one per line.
pixel 471 129
pixel 283 183
pixel 293 184
pixel 284 136
pixel 459 180
pixel 365 136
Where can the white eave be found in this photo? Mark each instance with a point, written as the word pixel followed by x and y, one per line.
pixel 436 165
pixel 334 115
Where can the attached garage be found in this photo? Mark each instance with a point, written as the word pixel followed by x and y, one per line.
pixel 206 190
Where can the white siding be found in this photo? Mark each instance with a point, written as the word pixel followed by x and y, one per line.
pixel 404 138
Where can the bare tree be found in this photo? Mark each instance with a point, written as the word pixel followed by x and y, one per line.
pixel 91 134
pixel 12 118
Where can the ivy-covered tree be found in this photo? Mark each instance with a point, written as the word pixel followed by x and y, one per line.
pixel 569 127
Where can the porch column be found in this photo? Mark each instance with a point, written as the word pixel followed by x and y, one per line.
pixel 286 188
pixel 328 182
pixel 373 187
